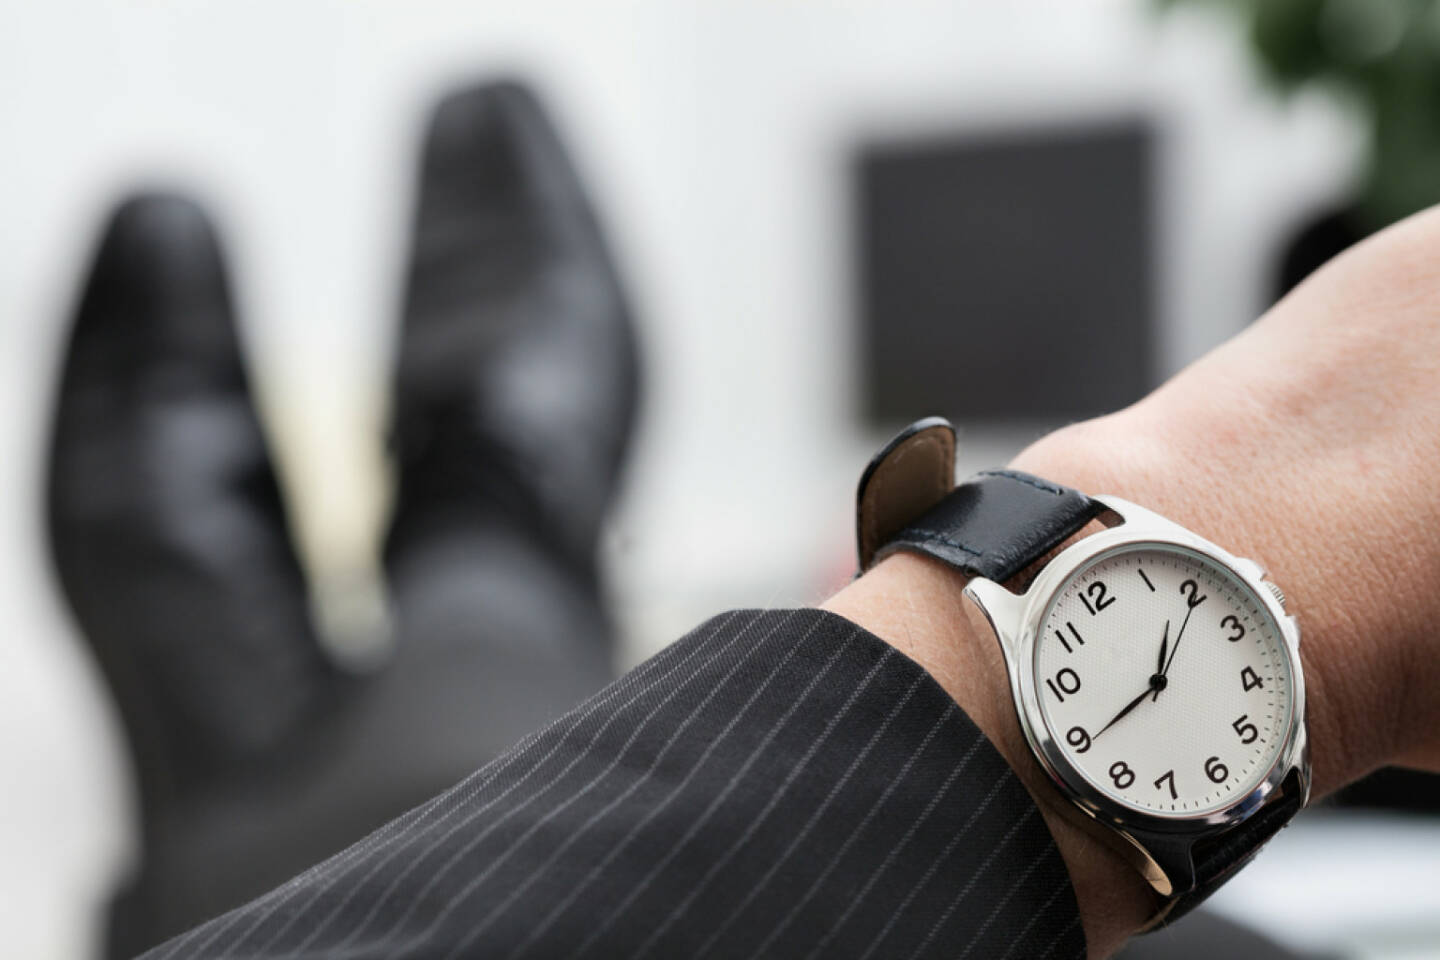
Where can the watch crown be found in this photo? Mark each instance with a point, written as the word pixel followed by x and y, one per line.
pixel 1276 592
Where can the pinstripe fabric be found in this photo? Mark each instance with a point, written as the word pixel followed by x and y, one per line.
pixel 776 783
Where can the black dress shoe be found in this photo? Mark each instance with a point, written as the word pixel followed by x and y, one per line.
pixel 165 517
pixel 517 378
pixel 172 549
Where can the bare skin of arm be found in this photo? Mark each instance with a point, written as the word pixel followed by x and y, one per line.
pixel 1310 442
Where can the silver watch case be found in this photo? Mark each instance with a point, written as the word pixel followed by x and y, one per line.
pixel 1158 846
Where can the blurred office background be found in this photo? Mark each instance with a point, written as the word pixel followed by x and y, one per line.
pixel 833 217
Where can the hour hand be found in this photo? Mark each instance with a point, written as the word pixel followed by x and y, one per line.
pixel 1157 682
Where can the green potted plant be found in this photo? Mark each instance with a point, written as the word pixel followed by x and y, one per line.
pixel 1383 56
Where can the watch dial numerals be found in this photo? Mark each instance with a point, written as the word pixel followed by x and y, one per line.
pixel 1066 681
pixel 1161 725
pixel 1121 773
pixel 1193 596
pixel 1095 597
pixel 1074 635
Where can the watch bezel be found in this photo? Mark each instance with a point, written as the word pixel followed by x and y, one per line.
pixel 1016 620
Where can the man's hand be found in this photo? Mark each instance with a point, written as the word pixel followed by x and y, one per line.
pixel 1311 442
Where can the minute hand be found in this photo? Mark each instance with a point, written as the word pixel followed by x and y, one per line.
pixel 1122 714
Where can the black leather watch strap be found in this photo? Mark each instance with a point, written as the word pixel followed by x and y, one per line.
pixel 996 524
pixel 993 525
pixel 1216 858
pixel 910 474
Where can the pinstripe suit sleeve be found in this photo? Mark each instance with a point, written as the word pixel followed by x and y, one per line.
pixel 776 783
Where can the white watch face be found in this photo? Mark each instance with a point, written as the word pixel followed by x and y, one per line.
pixel 1164 680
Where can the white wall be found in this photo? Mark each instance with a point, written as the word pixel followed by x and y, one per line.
pixel 713 133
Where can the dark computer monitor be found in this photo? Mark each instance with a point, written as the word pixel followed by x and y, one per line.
pixel 1007 275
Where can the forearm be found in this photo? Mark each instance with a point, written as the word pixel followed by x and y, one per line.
pixel 777 783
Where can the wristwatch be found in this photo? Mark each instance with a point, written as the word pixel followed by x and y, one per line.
pixel 1156 676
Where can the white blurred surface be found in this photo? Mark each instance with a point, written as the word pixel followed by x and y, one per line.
pixel 714 136
pixel 1350 885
